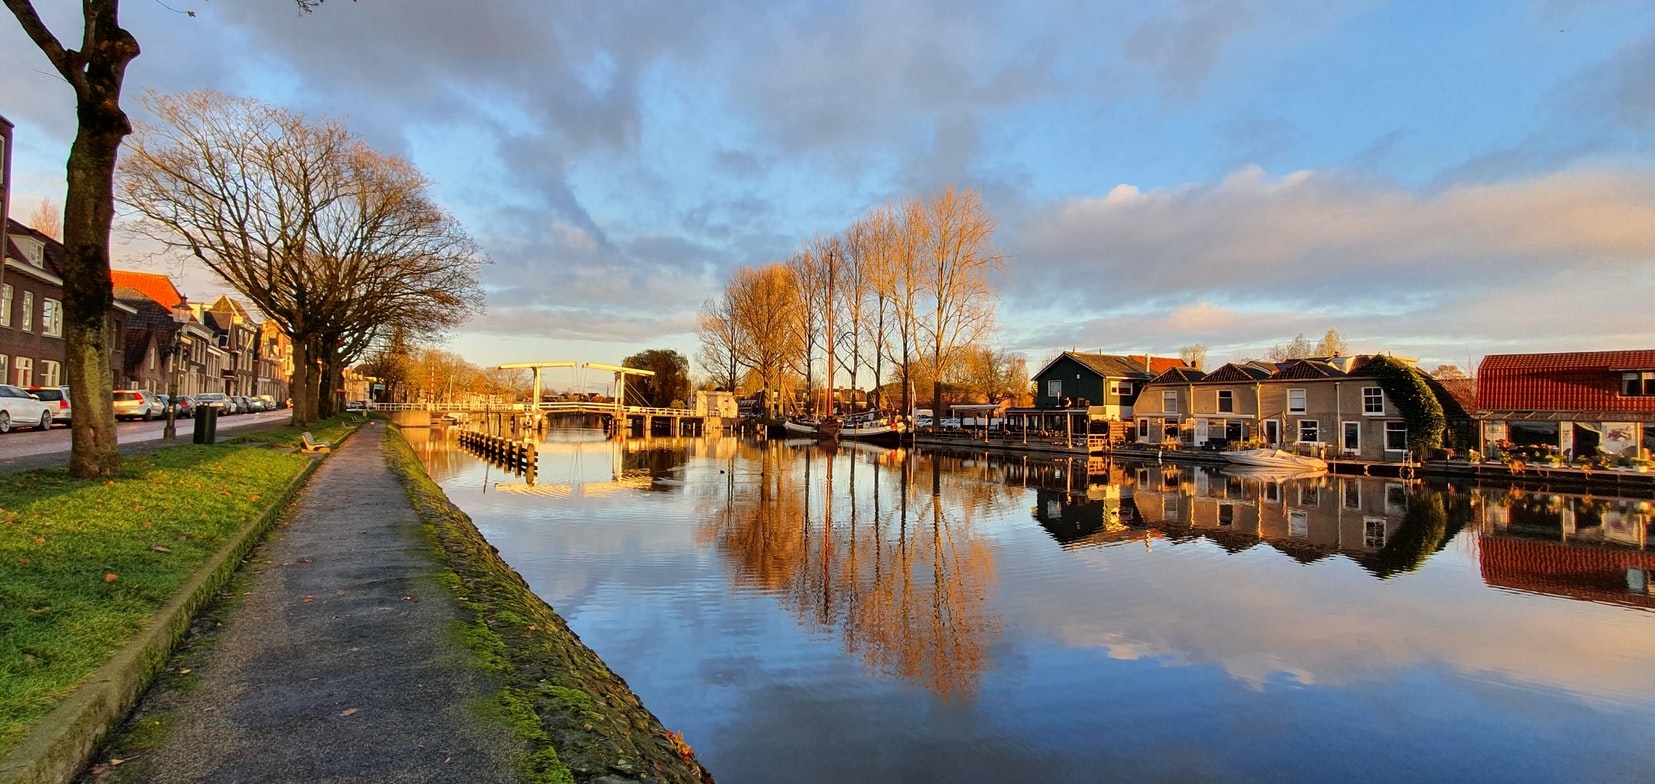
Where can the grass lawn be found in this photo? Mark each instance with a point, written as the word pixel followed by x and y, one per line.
pixel 85 563
pixel 330 430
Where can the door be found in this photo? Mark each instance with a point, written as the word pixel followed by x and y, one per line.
pixel 1200 432
pixel 1272 431
pixel 1352 439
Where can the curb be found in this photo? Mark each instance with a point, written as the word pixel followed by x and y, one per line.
pixel 60 746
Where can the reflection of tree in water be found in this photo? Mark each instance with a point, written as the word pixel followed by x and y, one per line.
pixel 1427 528
pixel 849 543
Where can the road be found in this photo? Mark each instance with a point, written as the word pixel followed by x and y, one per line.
pixel 24 449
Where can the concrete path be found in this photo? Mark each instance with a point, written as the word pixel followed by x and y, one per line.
pixel 342 664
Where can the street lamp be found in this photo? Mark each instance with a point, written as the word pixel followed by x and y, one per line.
pixel 181 316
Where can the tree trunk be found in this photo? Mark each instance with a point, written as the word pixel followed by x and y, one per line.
pixel 300 386
pixel 88 210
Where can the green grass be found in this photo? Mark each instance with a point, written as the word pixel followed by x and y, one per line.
pixel 331 430
pixel 84 564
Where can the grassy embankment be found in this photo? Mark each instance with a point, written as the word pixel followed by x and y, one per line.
pixel 581 719
pixel 86 564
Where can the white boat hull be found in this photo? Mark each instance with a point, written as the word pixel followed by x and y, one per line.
pixel 1275 458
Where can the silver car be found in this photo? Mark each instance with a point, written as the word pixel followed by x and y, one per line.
pixel 138 404
pixel 22 409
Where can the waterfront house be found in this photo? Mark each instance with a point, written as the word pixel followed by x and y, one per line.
pixel 1107 383
pixel 1333 406
pixel 1579 403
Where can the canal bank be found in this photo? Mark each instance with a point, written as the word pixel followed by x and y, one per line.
pixel 376 636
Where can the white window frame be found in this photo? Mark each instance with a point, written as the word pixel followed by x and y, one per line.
pixel 1352 494
pixel 1373 532
pixel 1638 384
pixel 51 319
pixel 1054 388
pixel 1304 401
pixel 1346 443
pixel 1169 401
pixel 5 366
pixel 1226 395
pixel 1298 524
pixel 1143 428
pixel 5 305
pixel 23 370
pixel 1396 426
pixel 1373 401
pixel 28 311
pixel 1121 388
pixel 51 373
pixel 1315 427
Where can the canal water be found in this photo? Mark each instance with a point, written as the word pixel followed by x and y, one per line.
pixel 860 614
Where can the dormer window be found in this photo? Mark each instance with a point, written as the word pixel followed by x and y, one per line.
pixel 1639 384
pixel 34 251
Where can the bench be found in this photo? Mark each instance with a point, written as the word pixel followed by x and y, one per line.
pixel 310 444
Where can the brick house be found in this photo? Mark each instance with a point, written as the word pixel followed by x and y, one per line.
pixel 1580 403
pixel 31 309
pixel 1329 405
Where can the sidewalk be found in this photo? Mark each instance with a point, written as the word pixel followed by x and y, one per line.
pixel 339 663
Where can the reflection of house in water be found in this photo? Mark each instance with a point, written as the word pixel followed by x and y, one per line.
pixel 1307 518
pixel 1580 547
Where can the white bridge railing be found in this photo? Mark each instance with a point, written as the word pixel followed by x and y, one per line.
pixel 549 406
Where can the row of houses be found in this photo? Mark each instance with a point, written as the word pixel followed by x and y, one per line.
pixel 157 336
pixel 1577 403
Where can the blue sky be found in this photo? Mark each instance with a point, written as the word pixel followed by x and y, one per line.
pixel 1440 180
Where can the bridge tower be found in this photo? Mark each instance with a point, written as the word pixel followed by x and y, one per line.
pixel 536 366
pixel 620 391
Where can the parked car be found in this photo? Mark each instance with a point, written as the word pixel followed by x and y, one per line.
pixel 19 407
pixel 244 405
pixel 138 404
pixel 186 407
pixel 356 405
pixel 270 403
pixel 58 399
pixel 217 401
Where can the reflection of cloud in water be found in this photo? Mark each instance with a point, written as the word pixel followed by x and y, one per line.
pixel 1328 624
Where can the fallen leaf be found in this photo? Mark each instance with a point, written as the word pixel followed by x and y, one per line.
pixel 309 599
pixel 184 671
pixel 110 577
pixel 531 627
pixel 348 712
pixel 159 549
pixel 408 598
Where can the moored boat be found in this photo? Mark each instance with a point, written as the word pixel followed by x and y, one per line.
pixel 1274 458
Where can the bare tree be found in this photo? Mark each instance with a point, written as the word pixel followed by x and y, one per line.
pixel 763 305
pixel 337 243
pixel 1194 356
pixel 47 219
pixel 1298 349
pixel 1331 345
pixel 899 284
pixel 95 72
pixel 960 256
pixel 718 355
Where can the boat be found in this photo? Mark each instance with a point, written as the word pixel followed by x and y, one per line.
pixel 1274 458
pixel 1272 473
pixel 861 427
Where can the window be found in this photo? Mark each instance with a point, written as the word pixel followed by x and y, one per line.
pixel 51 373
pixel 1295 401
pixel 1310 494
pixel 1638 384
pixel 1396 499
pixel 1352 437
pixel 51 318
pixel 1353 494
pixel 1298 524
pixel 1396 436
pixel 34 251
pixel 1143 430
pixel 1121 389
pixel 24 372
pixel 1373 532
pixel 1373 401
pixel 1054 388
pixel 1169 401
pixel 1310 431
pixel 5 306
pixel 1226 401
pixel 1226 514
pixel 5 366
pixel 28 311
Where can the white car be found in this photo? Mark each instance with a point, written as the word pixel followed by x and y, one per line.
pixel 22 409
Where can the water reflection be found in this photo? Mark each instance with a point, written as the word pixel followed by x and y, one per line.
pixel 850 542
pixel 880 615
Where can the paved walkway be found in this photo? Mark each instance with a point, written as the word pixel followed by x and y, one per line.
pixel 342 663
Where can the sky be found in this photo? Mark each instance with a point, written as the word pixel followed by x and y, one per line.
pixel 1434 180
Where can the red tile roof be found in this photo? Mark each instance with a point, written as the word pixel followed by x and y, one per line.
pixel 157 287
pixel 1574 381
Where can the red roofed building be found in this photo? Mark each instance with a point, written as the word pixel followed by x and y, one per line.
pixel 1583 402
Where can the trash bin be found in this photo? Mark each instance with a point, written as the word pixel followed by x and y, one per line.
pixel 206 425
